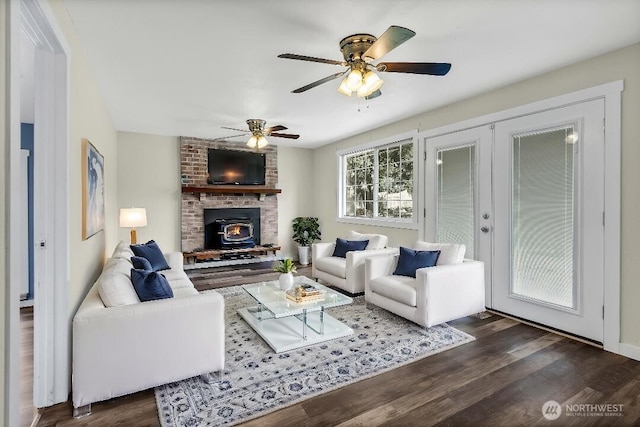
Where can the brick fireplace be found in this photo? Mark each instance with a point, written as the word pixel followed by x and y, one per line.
pixel 193 169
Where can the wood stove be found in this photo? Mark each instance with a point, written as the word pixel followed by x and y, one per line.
pixel 232 228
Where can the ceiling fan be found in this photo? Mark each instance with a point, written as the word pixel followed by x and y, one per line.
pixel 258 133
pixel 359 52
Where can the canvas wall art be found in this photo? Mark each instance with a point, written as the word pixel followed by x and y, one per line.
pixel 92 190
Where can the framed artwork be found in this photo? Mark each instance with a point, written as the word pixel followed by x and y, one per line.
pixel 92 190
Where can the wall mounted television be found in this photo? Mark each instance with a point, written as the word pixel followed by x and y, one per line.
pixel 227 167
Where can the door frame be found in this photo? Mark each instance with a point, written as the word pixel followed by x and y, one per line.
pixel 51 144
pixel 612 94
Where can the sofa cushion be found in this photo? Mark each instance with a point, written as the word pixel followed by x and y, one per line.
pixel 150 285
pixel 335 266
pixel 140 263
pixel 123 251
pixel 115 287
pixel 397 288
pixel 151 251
pixel 450 253
pixel 376 241
pixel 409 261
pixel 343 246
pixel 184 292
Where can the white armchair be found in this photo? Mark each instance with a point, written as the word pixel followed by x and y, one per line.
pixel 347 273
pixel 453 288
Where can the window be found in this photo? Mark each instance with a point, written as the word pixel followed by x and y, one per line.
pixel 378 183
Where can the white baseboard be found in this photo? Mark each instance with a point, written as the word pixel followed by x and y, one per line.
pixel 630 351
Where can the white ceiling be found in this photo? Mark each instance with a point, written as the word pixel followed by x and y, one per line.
pixel 189 67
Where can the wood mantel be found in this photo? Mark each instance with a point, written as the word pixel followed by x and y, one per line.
pixel 231 189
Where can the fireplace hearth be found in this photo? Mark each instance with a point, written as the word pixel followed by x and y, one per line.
pixel 231 228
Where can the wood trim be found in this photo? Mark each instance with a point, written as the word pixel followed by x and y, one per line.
pixel 210 254
pixel 231 189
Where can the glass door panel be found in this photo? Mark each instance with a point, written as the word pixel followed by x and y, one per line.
pixel 456 173
pixel 542 217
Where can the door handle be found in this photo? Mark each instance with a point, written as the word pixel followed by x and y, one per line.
pixel 484 229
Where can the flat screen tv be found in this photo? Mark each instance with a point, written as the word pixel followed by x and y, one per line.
pixel 236 167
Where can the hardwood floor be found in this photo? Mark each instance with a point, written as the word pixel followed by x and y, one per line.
pixel 501 379
pixel 27 410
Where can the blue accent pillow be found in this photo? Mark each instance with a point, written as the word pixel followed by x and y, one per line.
pixel 151 251
pixel 343 246
pixel 410 260
pixel 150 285
pixel 140 263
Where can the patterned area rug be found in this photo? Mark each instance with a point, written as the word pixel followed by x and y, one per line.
pixel 257 381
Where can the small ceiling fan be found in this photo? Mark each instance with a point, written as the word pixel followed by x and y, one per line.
pixel 359 52
pixel 258 133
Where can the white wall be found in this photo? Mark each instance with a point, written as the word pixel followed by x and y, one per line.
pixel 621 64
pixel 149 177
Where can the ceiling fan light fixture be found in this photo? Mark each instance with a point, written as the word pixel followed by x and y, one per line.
pixel 253 142
pixel 262 142
pixel 354 80
pixel 344 89
pixel 372 82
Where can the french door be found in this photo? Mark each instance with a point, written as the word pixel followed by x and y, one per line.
pixel 526 195
pixel 458 193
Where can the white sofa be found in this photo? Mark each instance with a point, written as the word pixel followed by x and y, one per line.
pixel 131 345
pixel 347 273
pixel 453 288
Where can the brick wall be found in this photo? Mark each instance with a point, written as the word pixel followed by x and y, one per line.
pixel 193 167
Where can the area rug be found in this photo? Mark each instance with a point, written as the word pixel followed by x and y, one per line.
pixel 257 381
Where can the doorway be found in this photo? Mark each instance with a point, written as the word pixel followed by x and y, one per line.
pixel 35 22
pixel 526 196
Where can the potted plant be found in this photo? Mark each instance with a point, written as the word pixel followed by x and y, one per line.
pixel 286 268
pixel 306 230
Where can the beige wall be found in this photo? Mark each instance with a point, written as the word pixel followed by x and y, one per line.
pixel 295 174
pixel 5 202
pixel 149 177
pixel 88 119
pixel 621 64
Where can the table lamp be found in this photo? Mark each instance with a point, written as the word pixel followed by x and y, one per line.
pixel 133 218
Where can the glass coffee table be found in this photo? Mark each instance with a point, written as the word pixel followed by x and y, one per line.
pixel 286 325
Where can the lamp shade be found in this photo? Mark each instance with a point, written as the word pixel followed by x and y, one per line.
pixel 354 80
pixel 133 217
pixel 262 142
pixel 343 89
pixel 252 142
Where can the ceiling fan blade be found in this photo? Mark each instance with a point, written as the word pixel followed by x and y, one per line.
pixel 375 94
pixel 319 82
pixel 226 138
pixel 311 58
pixel 389 40
pixel 275 128
pixel 433 68
pixel 239 130
pixel 285 135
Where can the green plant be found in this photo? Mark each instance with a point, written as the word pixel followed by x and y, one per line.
pixel 306 230
pixel 285 266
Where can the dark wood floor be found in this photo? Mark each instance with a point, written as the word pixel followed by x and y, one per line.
pixel 27 410
pixel 501 379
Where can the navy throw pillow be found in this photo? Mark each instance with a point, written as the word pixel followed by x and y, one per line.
pixel 151 251
pixel 410 260
pixel 343 246
pixel 140 263
pixel 150 285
